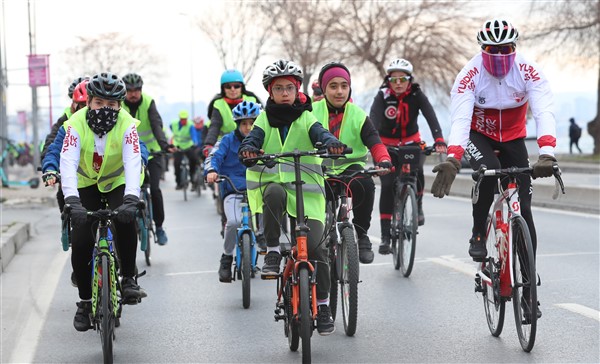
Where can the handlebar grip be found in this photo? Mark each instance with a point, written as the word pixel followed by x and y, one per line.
pixel 347 150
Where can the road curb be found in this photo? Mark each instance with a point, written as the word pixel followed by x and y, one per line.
pixel 13 238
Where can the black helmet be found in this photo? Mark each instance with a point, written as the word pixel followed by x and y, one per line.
pixel 133 81
pixel 281 68
pixel 107 85
pixel 76 82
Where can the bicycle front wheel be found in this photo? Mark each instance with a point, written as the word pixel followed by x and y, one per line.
pixel 246 269
pixel 149 229
pixel 333 276
pixel 349 280
pixel 396 224
pixel 305 314
pixel 107 318
pixel 408 232
pixel 291 324
pixel 524 285
pixel 183 179
pixel 493 303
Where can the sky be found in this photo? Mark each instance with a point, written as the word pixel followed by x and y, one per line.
pixel 164 26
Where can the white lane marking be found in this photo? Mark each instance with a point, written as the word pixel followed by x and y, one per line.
pixel 580 309
pixel 567 254
pixel 456 264
pixel 26 345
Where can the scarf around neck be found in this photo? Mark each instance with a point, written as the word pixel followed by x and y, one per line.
pixel 284 114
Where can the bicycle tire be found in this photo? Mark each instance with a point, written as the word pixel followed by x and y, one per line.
pixel 395 224
pixel 149 229
pixel 523 269
pixel 143 233
pixel 290 327
pixel 349 280
pixel 333 275
pixel 107 318
pixel 408 233
pixel 494 305
pixel 246 269
pixel 198 177
pixel 183 179
pixel 305 315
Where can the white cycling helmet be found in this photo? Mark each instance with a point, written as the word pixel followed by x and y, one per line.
pixel 281 68
pixel 497 31
pixel 400 64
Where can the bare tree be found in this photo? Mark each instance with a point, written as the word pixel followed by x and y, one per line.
pixel 238 35
pixel 112 52
pixel 302 29
pixel 433 36
pixel 573 28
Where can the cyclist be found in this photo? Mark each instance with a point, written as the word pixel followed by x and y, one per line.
pixel 317 91
pixel 186 140
pixel 101 157
pixel 233 91
pixel 225 161
pixel 394 112
pixel 142 107
pixel 351 125
pixel 287 124
pixel 488 113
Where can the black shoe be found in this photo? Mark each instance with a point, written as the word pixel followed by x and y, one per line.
pixel 73 280
pixel 225 268
pixel 325 324
pixel 384 247
pixel 131 291
pixel 82 320
pixel 261 243
pixel 421 216
pixel 526 308
pixel 272 263
pixel 365 251
pixel 477 250
pixel 179 186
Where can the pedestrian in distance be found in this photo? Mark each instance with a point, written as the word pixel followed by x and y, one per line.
pixel 574 135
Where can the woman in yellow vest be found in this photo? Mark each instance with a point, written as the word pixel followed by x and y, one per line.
pixel 233 91
pixel 101 157
pixel 351 125
pixel 287 124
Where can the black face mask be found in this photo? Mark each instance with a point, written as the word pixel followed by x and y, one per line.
pixel 102 121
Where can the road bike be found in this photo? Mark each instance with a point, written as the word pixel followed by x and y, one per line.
pixel 198 182
pixel 9 148
pixel 343 247
pixel 296 287
pixel 405 214
pixel 145 219
pixel 246 253
pixel 509 272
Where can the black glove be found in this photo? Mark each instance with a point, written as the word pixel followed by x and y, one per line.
pixel 543 167
pixel 249 149
pixel 385 164
pixel 335 144
pixel 78 212
pixel 446 173
pixel 126 212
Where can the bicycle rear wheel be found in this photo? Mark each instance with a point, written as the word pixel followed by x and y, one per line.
pixel 493 303
pixel 246 269
pixel 524 285
pixel 305 314
pixel 349 280
pixel 408 234
pixel 107 318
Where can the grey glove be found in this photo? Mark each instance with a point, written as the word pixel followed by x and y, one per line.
pixel 543 167
pixel 78 212
pixel 126 212
pixel 446 172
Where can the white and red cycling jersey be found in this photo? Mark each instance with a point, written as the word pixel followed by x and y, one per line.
pixel 497 108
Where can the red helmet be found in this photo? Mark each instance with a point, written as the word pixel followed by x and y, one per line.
pixel 80 92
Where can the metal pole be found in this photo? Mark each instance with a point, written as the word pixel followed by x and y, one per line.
pixel 192 67
pixel 34 105
pixel 3 87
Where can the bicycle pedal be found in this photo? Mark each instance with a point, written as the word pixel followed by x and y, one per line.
pixel 267 277
pixel 279 317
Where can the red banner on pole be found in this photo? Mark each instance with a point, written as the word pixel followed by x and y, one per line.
pixel 38 70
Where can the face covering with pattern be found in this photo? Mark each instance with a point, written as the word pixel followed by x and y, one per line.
pixel 102 120
pixel 498 65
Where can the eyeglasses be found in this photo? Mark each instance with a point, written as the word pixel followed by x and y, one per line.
pixel 402 79
pixel 232 85
pixel 499 49
pixel 278 90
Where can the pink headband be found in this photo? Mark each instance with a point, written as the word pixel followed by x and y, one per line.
pixel 334 72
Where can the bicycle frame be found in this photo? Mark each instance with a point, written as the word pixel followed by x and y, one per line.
pixel 104 247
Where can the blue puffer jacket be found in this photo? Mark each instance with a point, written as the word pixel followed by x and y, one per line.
pixel 51 160
pixel 225 161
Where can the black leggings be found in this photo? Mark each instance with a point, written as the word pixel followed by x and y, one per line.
pixel 480 150
pixel 83 239
pixel 155 170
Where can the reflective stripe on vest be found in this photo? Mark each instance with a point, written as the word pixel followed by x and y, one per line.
pixel 259 176
pixel 351 127
pixel 112 171
pixel 145 128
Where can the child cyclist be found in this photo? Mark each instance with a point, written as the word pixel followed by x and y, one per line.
pixel 225 161
pixel 287 124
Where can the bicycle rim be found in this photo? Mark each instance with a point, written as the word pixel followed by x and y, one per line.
pixel 246 269
pixel 524 285
pixel 395 226
pixel 493 304
pixel 107 318
pixel 305 314
pixel 290 325
pixel 349 283
pixel 149 229
pixel 408 233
